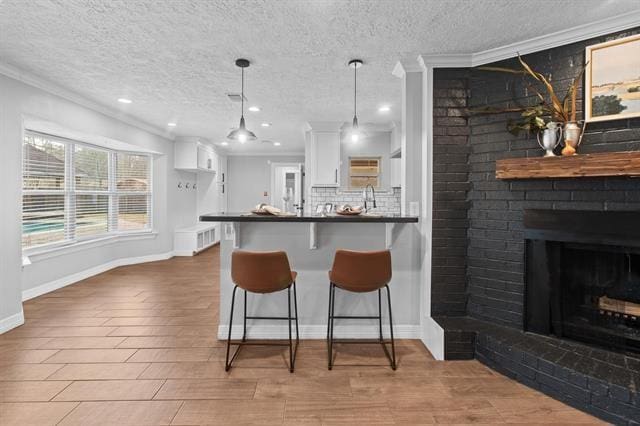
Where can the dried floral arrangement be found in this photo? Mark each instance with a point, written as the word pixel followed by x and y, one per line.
pixel 550 107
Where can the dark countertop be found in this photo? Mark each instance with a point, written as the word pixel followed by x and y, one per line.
pixel 332 218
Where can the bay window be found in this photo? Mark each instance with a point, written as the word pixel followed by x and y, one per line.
pixel 74 191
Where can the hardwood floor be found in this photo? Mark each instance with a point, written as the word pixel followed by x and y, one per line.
pixel 136 345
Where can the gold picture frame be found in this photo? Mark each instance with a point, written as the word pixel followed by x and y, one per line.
pixel 612 80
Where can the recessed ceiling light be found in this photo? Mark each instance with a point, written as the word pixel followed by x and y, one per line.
pixel 254 109
pixel 266 124
pixel 276 144
pixel 124 100
pixel 171 124
pixel 225 143
pixel 384 109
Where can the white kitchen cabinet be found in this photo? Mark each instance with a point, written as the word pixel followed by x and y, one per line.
pixel 222 178
pixel 395 171
pixel 195 156
pixel 194 239
pixel 396 140
pixel 221 171
pixel 325 158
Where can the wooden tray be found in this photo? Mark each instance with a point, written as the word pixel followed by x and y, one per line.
pixel 344 213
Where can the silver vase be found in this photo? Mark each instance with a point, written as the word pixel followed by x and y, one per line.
pixel 549 138
pixel 572 135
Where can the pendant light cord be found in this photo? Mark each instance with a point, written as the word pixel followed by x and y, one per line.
pixel 355 89
pixel 242 95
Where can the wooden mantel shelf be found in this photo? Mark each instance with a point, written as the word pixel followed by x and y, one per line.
pixel 625 163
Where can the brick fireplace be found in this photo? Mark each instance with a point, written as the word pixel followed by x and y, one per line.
pixel 483 242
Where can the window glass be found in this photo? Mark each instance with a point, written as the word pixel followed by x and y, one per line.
pixel 101 192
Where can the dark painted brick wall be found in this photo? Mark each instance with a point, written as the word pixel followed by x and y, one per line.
pixel 450 186
pixel 495 254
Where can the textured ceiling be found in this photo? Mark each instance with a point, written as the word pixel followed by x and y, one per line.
pixel 175 59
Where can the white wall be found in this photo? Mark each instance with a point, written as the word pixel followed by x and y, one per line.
pixel 250 177
pixel 169 205
pixel 375 144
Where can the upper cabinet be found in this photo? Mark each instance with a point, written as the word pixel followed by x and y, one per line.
pixel 221 171
pixel 325 158
pixel 195 156
pixel 396 140
pixel 395 171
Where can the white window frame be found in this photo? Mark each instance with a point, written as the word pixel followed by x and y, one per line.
pixel 378 175
pixel 70 196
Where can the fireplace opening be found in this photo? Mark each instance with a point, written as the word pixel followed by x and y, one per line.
pixel 581 283
pixel 600 296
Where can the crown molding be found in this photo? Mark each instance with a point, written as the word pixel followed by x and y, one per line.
pixel 458 60
pixel 549 41
pixel 266 154
pixel 54 89
pixel 325 126
pixel 559 38
pixel 402 67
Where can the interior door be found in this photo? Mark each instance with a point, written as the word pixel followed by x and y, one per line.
pixel 286 186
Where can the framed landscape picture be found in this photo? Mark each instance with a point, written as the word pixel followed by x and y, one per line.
pixel 612 83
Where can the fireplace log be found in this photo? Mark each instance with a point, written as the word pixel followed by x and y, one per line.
pixel 620 306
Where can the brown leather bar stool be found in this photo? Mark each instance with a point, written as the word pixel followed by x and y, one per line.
pixel 360 272
pixel 262 273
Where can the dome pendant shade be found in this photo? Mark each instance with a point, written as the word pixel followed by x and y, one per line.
pixel 242 134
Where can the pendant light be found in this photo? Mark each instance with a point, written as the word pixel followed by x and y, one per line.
pixel 242 134
pixel 356 134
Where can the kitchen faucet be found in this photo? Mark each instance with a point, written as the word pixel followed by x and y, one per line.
pixel 366 198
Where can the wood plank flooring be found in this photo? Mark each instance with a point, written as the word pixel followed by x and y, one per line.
pixel 137 346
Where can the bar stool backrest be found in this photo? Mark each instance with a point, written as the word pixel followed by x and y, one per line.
pixel 261 272
pixel 361 271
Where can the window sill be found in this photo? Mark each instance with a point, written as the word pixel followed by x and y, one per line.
pixel 35 255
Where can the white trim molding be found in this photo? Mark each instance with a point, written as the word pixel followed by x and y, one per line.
pixel 267 332
pixel 265 154
pixel 403 67
pixel 12 321
pixel 549 41
pixel 559 38
pixel 82 275
pixel 70 95
pixel 31 256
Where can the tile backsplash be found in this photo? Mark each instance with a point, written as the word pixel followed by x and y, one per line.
pixel 388 202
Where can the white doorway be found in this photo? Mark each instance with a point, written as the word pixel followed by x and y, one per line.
pixel 286 186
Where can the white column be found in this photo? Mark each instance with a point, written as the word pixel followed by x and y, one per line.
pixel 411 134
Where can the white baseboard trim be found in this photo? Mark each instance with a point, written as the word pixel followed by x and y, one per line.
pixel 267 332
pixel 12 321
pixel 183 253
pixel 433 338
pixel 79 276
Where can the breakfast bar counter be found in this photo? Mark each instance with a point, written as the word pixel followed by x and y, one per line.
pixel 336 218
pixel 310 243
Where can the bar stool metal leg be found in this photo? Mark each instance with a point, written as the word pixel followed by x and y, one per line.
pixel 295 305
pixel 227 362
pixel 244 330
pixel 380 313
pixel 292 351
pixel 329 324
pixel 393 346
pixel 331 319
pixel 290 342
